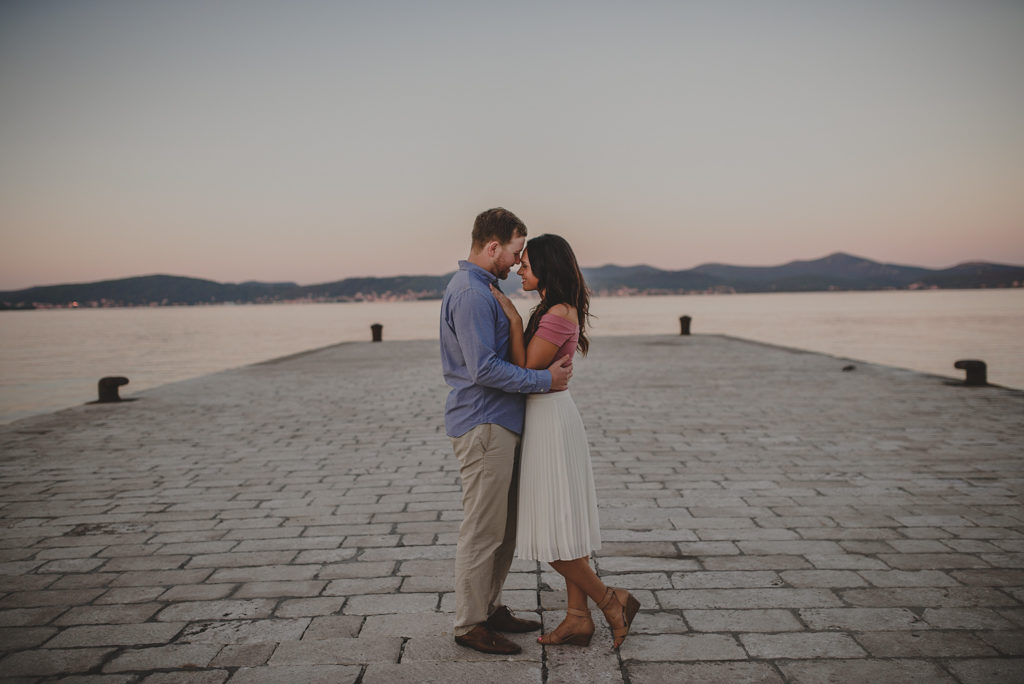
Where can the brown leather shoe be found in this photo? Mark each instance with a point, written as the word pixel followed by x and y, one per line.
pixel 482 639
pixel 502 620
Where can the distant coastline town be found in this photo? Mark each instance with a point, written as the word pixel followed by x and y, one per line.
pixel 836 272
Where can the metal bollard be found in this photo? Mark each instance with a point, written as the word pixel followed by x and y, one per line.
pixel 977 374
pixel 684 325
pixel 378 331
pixel 108 389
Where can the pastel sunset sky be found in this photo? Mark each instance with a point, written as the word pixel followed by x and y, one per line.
pixel 310 141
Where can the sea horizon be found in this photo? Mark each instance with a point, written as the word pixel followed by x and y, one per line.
pixel 55 358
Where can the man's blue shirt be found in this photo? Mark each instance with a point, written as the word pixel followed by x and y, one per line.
pixel 486 388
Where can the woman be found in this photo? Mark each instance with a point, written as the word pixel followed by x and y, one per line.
pixel 558 521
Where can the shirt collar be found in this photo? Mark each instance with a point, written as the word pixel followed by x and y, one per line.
pixel 475 270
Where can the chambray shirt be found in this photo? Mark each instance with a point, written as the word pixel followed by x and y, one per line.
pixel 486 388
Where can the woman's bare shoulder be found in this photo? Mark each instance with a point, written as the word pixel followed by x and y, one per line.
pixel 564 311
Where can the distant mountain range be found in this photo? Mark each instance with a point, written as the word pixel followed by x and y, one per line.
pixel 835 272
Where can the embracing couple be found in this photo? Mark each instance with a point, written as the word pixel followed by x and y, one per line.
pixel 522 449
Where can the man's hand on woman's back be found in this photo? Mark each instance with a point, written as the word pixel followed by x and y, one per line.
pixel 561 371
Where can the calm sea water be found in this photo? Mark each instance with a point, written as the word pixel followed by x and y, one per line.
pixel 52 359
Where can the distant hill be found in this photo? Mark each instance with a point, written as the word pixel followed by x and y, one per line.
pixel 835 272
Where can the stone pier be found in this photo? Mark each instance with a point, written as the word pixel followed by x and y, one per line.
pixel 779 519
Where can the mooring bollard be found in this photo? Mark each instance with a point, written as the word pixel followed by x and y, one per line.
pixel 378 331
pixel 684 325
pixel 976 371
pixel 108 389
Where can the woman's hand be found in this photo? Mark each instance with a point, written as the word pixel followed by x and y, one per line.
pixel 506 305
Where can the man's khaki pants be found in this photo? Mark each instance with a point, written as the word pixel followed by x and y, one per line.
pixel 489 465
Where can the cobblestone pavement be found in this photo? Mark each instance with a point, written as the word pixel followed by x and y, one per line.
pixel 780 520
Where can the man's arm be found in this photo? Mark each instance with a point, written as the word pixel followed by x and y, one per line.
pixel 473 319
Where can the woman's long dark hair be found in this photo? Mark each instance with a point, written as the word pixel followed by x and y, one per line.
pixel 560 279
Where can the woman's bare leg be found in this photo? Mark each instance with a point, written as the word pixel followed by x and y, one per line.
pixel 577 627
pixel 579 573
pixel 575 597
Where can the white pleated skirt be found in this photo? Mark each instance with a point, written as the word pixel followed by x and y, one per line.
pixel 557 502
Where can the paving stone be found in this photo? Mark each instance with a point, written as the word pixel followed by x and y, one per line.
pixel 18 638
pixel 928 561
pixel 172 657
pixel 681 647
pixel 410 625
pixel 190 677
pixel 244 631
pixel 308 674
pixel 908 578
pixel 126 563
pixel 28 599
pixel 623 564
pixel 652 622
pixel 923 644
pixel 928 596
pixel 84 580
pixel 378 604
pixel 10 583
pixel 746 598
pixel 240 560
pixel 865 672
pixel 333 627
pixel 359 569
pixel 337 651
pixel 278 589
pixel 190 611
pixel 325 556
pixel 439 584
pixel 822 578
pixel 432 671
pixel 989 670
pixel 154 578
pixel 52 661
pixel 109 614
pixel 302 607
pixel 965 618
pixel 352 587
pixel 989 577
pixel 243 655
pixel 130 595
pixel 198 592
pixel 583 665
pixel 124 635
pixel 845 562
pixel 1006 642
pixel 718 580
pixel 783 562
pixel 732 672
pixel 802 645
pixel 771 620
pixel 861 619
pixel 24 617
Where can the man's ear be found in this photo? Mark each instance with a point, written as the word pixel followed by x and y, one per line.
pixel 492 248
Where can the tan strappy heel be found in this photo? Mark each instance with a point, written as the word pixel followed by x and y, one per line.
pixel 573 638
pixel 626 610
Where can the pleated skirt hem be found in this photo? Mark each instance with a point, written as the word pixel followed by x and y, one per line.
pixel 557 518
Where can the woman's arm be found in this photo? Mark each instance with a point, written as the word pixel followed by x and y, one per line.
pixel 516 348
pixel 542 352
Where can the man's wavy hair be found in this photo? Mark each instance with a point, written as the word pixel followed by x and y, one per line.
pixel 497 224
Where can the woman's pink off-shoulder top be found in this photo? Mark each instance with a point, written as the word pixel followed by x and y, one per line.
pixel 561 332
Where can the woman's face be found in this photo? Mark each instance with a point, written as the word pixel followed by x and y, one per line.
pixel 526 273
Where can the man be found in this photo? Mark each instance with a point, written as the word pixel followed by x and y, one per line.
pixel 484 418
